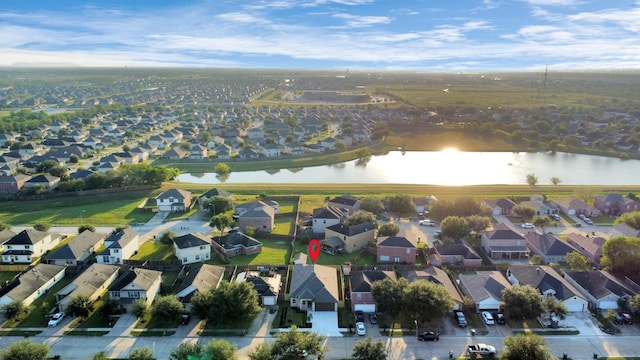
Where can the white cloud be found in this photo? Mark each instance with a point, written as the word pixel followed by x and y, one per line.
pixel 356 21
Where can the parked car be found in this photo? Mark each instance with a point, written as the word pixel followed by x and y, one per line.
pixel 555 217
pixel 360 329
pixel 437 234
pixel 488 318
pixel 626 318
pixel 499 318
pixel 427 222
pixel 460 319
pixel 373 319
pixel 618 319
pixel 582 216
pixel 429 336
pixel 56 319
pixel 527 226
pixel 184 319
pixel 588 221
pixel 359 316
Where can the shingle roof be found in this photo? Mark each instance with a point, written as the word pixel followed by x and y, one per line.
pixel 191 240
pixel 484 285
pixel 78 246
pixel 202 277
pixel 543 278
pixel 143 278
pixel 361 281
pixel 437 276
pixel 455 248
pixel 31 281
pixel 549 244
pixel 502 232
pixel 90 280
pixel 27 237
pixel 174 193
pixel 598 283
pixel 316 282
pixel 396 241
pixel 351 230
pixel 328 212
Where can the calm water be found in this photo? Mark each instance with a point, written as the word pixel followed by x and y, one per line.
pixel 451 167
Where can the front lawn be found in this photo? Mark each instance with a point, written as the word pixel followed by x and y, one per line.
pixel 154 250
pixel 359 257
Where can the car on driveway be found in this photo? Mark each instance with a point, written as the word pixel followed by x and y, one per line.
pixel 427 222
pixel 56 319
pixel 588 221
pixel 429 336
pixel 555 217
pixel 499 318
pixel 373 319
pixel 437 234
pixel 359 316
pixel 488 318
pixel 527 226
pixel 184 319
pixel 626 318
pixel 460 319
pixel 360 329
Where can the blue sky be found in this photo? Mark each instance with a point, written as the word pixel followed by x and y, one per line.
pixel 428 35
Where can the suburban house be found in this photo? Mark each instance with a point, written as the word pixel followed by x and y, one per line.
pixel 213 193
pixel 31 284
pixel 501 206
pixel 615 204
pixel 503 243
pixel 354 237
pixel 540 206
pixel 119 246
pixel 589 246
pixel 573 206
pixel 456 253
pixel 548 246
pixel 77 250
pixel 242 208
pixel 27 245
pixel 192 248
pixel 46 181
pixel 236 243
pixel 360 288
pixel 136 284
pixel 93 283
pixel 396 249
pixel 174 200
pixel 314 288
pixel 12 184
pixel 346 202
pixel 422 203
pixel 484 288
pixel 198 152
pixel 262 218
pixel 326 216
pixel 599 287
pixel 267 285
pixel 549 283
pixel 625 230
pixel 436 275
pixel 200 278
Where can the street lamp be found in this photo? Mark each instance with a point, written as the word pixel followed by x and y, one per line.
pixel 417 338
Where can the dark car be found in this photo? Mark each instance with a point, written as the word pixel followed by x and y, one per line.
pixel 626 318
pixel 499 318
pixel 184 319
pixel 429 336
pixel 618 319
pixel 460 319
pixel 359 316
pixel 373 319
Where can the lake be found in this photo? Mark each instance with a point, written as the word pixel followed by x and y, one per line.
pixel 450 167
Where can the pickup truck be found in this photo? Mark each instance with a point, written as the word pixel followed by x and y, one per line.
pixel 481 350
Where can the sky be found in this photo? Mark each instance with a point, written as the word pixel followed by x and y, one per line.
pixel 423 35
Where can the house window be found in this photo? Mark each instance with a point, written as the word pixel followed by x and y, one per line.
pixel 9 247
pixel 384 257
pixel 133 294
pixel 105 259
pixel 197 257
pixel 202 247
pixel 115 251
pixel 27 247
pixel 396 259
pixel 408 251
pixel 184 260
pixel 359 296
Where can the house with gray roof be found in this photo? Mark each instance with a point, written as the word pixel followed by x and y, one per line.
pixel 500 206
pixel 501 242
pixel 136 283
pixel 174 200
pixel 119 246
pixel 436 275
pixel 48 182
pixel 77 250
pixel 192 248
pixel 348 202
pixel 314 288
pixel 353 237
pixel 549 247
pixel 31 284
pixel 236 243
pixel 456 253
pixel 601 288
pixel 589 246
pixel 360 288
pixel 92 283
pixel 326 216
pixel 266 284
pixel 615 204
pixel 484 288
pixel 625 230
pixel 200 278
pixel 549 283
pixel 27 245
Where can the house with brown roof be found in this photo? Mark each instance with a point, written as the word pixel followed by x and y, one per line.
pixel 92 283
pixel 360 288
pixel 484 288
pixel 573 206
pixel 13 184
pixel 501 242
pixel 589 246
pixel 500 206
pixel 260 217
pixel 615 204
pixel 352 237
pixel 346 202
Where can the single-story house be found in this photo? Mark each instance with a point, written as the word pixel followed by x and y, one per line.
pixel 456 253
pixel 599 287
pixel 266 285
pixel 200 278
pixel 589 246
pixel 136 284
pixel 549 246
pixel 236 243
pixel 484 288
pixel 93 283
pixel 314 288
pixel 77 250
pixel 31 284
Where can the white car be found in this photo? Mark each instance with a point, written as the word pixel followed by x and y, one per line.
pixel 527 226
pixel 588 221
pixel 56 319
pixel 360 329
pixel 488 318
pixel 427 222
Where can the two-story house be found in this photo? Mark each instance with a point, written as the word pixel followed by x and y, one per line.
pixel 136 284
pixel 326 216
pixel 360 288
pixel 502 242
pixel 174 200
pixel 354 237
pixel 396 249
pixel 346 202
pixel 119 246
pixel 27 245
pixel 192 248
pixel 615 204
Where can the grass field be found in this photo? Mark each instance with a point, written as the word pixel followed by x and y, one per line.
pixel 274 252
pixel 154 250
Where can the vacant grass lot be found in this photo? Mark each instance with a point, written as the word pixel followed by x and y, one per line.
pixel 154 250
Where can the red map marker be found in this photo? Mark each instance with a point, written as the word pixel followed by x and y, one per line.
pixel 314 249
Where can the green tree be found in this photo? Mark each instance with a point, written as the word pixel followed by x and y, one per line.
pixel 635 303
pixel 631 218
pixel 83 228
pixel 260 352
pixel 529 347
pixel 577 261
pixel 222 169
pixel 360 217
pixel 46 165
pixel 388 230
pixel 41 227
pixel 543 222
pixel 532 180
pixel 110 307
pixel 25 350
pixel 478 223
pixel 524 211
pixel 368 349
pixel 221 350
pixel 371 204
pixel 99 356
pixel 291 344
pixel 621 255
pixel 14 309
pixel 186 350
pixel 401 204
pixel 143 353
pixel 555 180
pixel 554 306
pixel 221 222
pixel 454 227
pixel 139 308
pixel 389 295
pixel 425 299
pixel 229 302
pixel 522 302
pixel 167 237
pixel 168 308
pixel 462 207
pixel 81 305
pixel 218 204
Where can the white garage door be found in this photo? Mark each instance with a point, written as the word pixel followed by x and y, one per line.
pixel 605 305
pixel 365 308
pixel 575 307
